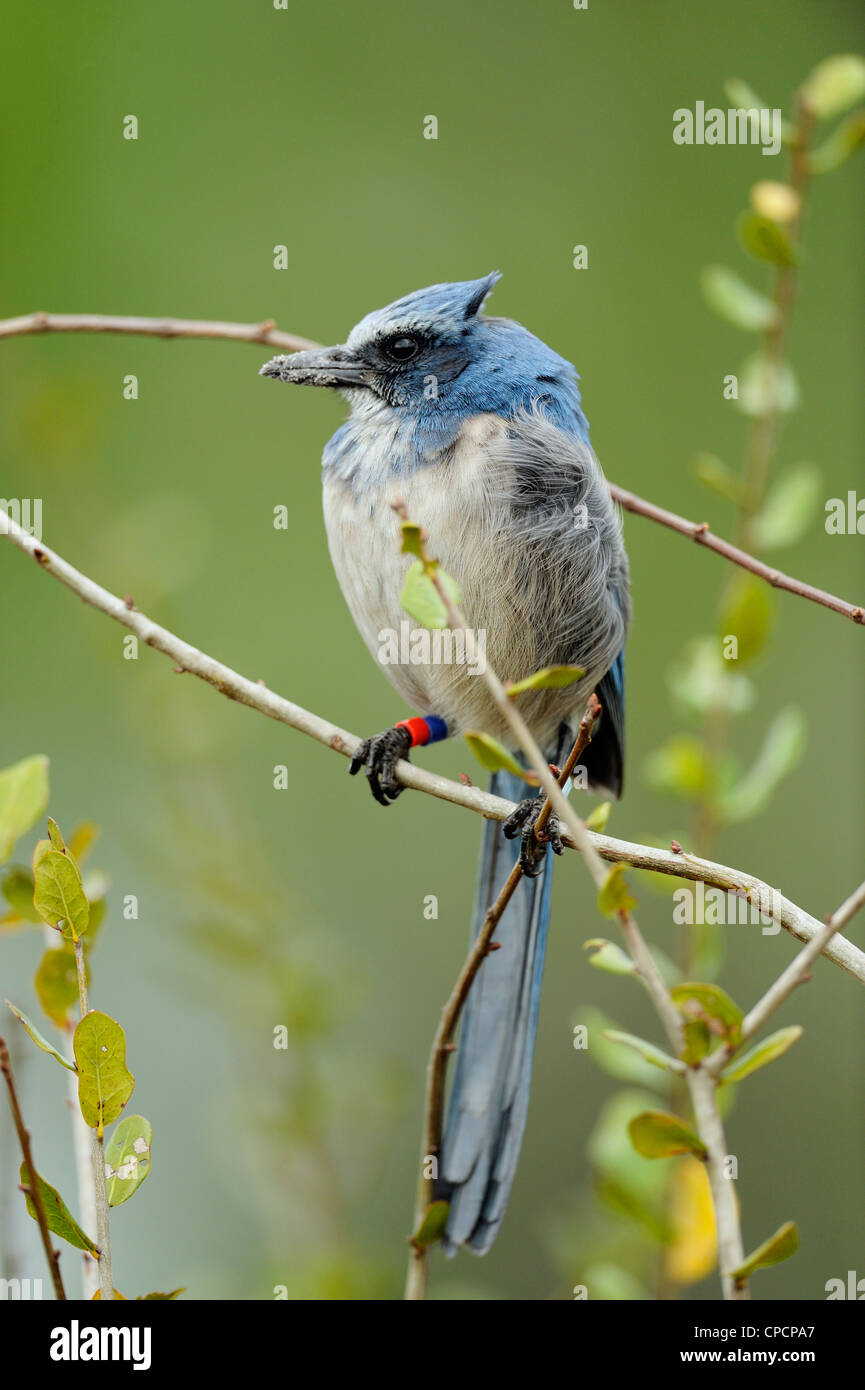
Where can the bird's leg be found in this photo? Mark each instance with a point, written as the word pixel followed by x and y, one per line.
pixel 379 755
pixel 533 849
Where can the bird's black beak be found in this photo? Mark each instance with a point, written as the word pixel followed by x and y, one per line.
pixel 332 366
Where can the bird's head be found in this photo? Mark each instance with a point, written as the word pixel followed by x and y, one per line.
pixel 408 354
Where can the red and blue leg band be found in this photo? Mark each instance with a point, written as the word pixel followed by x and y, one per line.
pixel 432 729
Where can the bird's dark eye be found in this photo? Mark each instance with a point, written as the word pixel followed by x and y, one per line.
pixel 402 349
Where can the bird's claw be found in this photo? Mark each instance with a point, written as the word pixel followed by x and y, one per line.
pixel 533 850
pixel 378 756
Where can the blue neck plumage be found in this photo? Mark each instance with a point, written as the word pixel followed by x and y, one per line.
pixel 381 442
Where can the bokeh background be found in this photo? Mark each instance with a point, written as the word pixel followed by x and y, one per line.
pixel 305 907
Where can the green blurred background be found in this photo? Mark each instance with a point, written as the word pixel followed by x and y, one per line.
pixel 305 908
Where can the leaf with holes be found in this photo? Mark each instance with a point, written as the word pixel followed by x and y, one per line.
pixel 127 1158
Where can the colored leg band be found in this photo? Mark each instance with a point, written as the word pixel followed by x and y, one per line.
pixel 429 730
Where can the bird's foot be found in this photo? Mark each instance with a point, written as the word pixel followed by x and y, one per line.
pixel 533 849
pixel 378 756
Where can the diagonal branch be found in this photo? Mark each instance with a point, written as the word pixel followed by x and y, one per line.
pixel 255 694
pixel 266 333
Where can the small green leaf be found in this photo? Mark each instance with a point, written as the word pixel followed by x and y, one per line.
pixel 104 1080
pixel 845 140
pixel 765 239
pixel 39 1040
pixel 620 1062
pixel 697 1041
pixel 421 599
pixel 703 682
pixel 127 1158
pixel 606 955
pixel 779 1247
pixel 654 1055
pixel 55 836
pixel 735 300
pixel 746 615
pixel 18 888
pixel 82 840
pixel 766 387
pixel 59 898
pixel 791 504
pixel 719 476
pixel 742 96
pixel 836 84
pixel 175 1293
pixel 613 895
pixel 412 539
pixel 23 798
pixel 56 983
pixel 711 1003
pixel 550 678
pixel 597 819
pixel 681 767
pixel 783 748
pixel 761 1055
pixel 432 1227
pixel 493 755
pixel 656 1135
pixel 57 1214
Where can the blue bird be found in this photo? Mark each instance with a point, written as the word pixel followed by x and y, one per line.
pixel 478 426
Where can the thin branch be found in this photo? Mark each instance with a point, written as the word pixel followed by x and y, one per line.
pixel 794 975
pixel 256 695
pixel 32 1189
pixel 699 531
pixel 267 334
pixel 442 1047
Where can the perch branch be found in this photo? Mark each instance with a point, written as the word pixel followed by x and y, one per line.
pixel 32 1189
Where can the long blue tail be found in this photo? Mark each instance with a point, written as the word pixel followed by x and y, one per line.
pixel 490 1096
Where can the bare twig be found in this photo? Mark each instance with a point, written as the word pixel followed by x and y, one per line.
pixel 32 1188
pixel 267 334
pixel 416 1280
pixel 792 918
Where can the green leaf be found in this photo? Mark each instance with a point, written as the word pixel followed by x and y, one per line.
pixel 59 898
pixel 719 476
pixel 761 1055
pixel 782 750
pixel 734 300
pixel 837 149
pixel 765 239
pixel 18 888
pixel 613 895
pixel 55 836
pixel 597 819
pixel 82 840
pixel 175 1293
pixel 703 682
pixel 606 955
pixel 681 767
pixel 742 96
pixel 104 1080
pixel 835 85
pixel 23 798
pixel 623 1063
pixel 697 1041
pixel 421 599
pixel 656 1135
pixel 127 1158
pixel 711 1003
pixel 493 755
pixel 432 1227
pixel 56 983
pixel 550 678
pixel 746 615
pixel 791 504
pixel 412 539
pixel 39 1040
pixel 766 387
pixel 651 1054
pixel 779 1247
pixel 57 1214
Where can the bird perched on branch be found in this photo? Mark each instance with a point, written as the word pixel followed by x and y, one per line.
pixel 477 425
